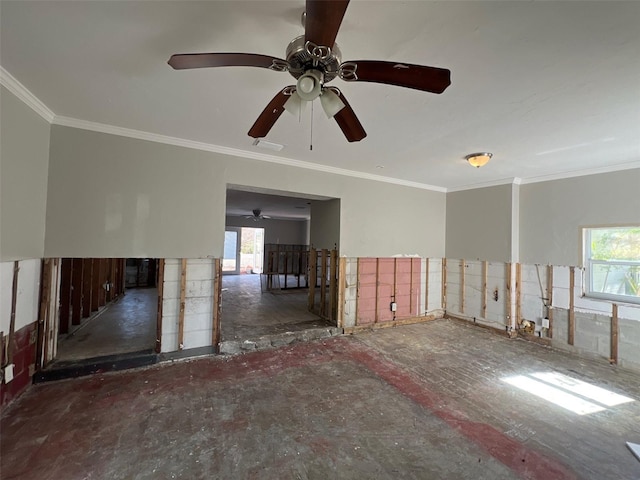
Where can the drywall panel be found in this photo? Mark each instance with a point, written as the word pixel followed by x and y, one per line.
pixel 479 224
pixel 27 297
pixel 287 232
pixel 24 164
pixel 325 224
pixel 551 213
pixel 112 196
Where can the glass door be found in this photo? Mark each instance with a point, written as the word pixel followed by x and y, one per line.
pixel 231 259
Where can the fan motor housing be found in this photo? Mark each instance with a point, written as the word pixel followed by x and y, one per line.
pixel 300 60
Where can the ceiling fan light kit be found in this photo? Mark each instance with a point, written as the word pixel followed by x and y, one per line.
pixel 314 59
pixel 479 159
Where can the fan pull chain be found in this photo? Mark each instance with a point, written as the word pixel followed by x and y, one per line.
pixel 311 133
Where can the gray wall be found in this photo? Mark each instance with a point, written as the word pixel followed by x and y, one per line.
pixel 551 213
pixel 117 196
pixel 291 232
pixel 479 224
pixel 325 224
pixel 24 163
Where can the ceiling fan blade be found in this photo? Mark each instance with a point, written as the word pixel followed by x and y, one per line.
pixel 201 60
pixel 348 122
pixel 323 19
pixel 270 114
pixel 419 77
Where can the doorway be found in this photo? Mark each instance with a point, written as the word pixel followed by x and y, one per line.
pixel 243 251
pixel 107 307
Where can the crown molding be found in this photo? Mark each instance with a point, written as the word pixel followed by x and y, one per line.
pixel 582 173
pixel 494 183
pixel 181 142
pixel 14 86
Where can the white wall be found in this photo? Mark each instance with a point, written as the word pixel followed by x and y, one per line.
pixel 325 224
pixel 551 213
pixel 479 224
pixel 289 232
pixel 28 293
pixel 112 196
pixel 24 161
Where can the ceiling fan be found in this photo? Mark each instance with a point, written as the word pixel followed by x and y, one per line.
pixel 314 59
pixel 257 215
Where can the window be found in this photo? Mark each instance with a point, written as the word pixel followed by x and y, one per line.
pixel 612 263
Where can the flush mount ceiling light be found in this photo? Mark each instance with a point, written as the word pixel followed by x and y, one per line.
pixel 478 159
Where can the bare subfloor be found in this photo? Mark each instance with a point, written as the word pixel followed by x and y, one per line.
pixel 248 313
pixel 126 325
pixel 423 401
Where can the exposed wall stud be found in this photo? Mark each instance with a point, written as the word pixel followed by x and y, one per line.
pixel 323 283
pixel 160 304
pixel 76 291
pixel 12 321
pixel 614 334
pixel 313 278
pixel 87 290
pixel 183 299
pixel 426 286
pixel 342 285
pixel 485 274
pixel 444 284
pixel 550 299
pixel 377 287
pixel 65 295
pixel 518 294
pixel 333 284
pixel 572 315
pixel 462 274
pixel 217 304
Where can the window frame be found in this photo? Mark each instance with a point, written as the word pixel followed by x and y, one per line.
pixel 588 264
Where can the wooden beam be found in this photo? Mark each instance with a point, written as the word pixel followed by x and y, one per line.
pixel 313 277
pixel 95 284
pixel 426 287
pixel 395 284
pixel 104 275
pixel 377 287
pixel 357 288
pixel 76 291
pixel 12 321
pixel 572 315
pixel 508 309
pixel 462 274
pixel 444 284
pixel 342 285
pixel 323 283
pixel 160 305
pixel 87 269
pixel 65 295
pixel 333 285
pixel 411 309
pixel 518 294
pixel 183 300
pixel 550 299
pixel 485 276
pixel 614 334
pixel 45 287
pixel 217 304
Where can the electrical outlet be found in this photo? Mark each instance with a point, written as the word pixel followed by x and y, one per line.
pixel 8 373
pixel 545 323
pixel 393 306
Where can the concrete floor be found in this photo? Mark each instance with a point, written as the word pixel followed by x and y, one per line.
pixel 423 401
pixel 248 313
pixel 124 326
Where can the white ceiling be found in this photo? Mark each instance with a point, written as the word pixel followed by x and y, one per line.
pixel 550 87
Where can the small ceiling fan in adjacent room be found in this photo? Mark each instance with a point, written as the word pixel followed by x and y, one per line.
pixel 257 215
pixel 314 59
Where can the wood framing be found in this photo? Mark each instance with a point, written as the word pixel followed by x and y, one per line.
pixel 357 288
pixel 376 319
pixel 183 299
pixel 45 287
pixel 572 314
pixel 485 275
pixel 518 294
pixel 65 295
pixel 550 299
pixel 614 334
pixel 313 278
pixel 426 286
pixel 217 304
pixel 160 304
pixel 462 272
pixel 508 309
pixel 95 284
pixel 76 291
pixel 12 321
pixel 87 269
pixel 444 284
pixel 342 285
pixel 333 285
pixel 323 283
